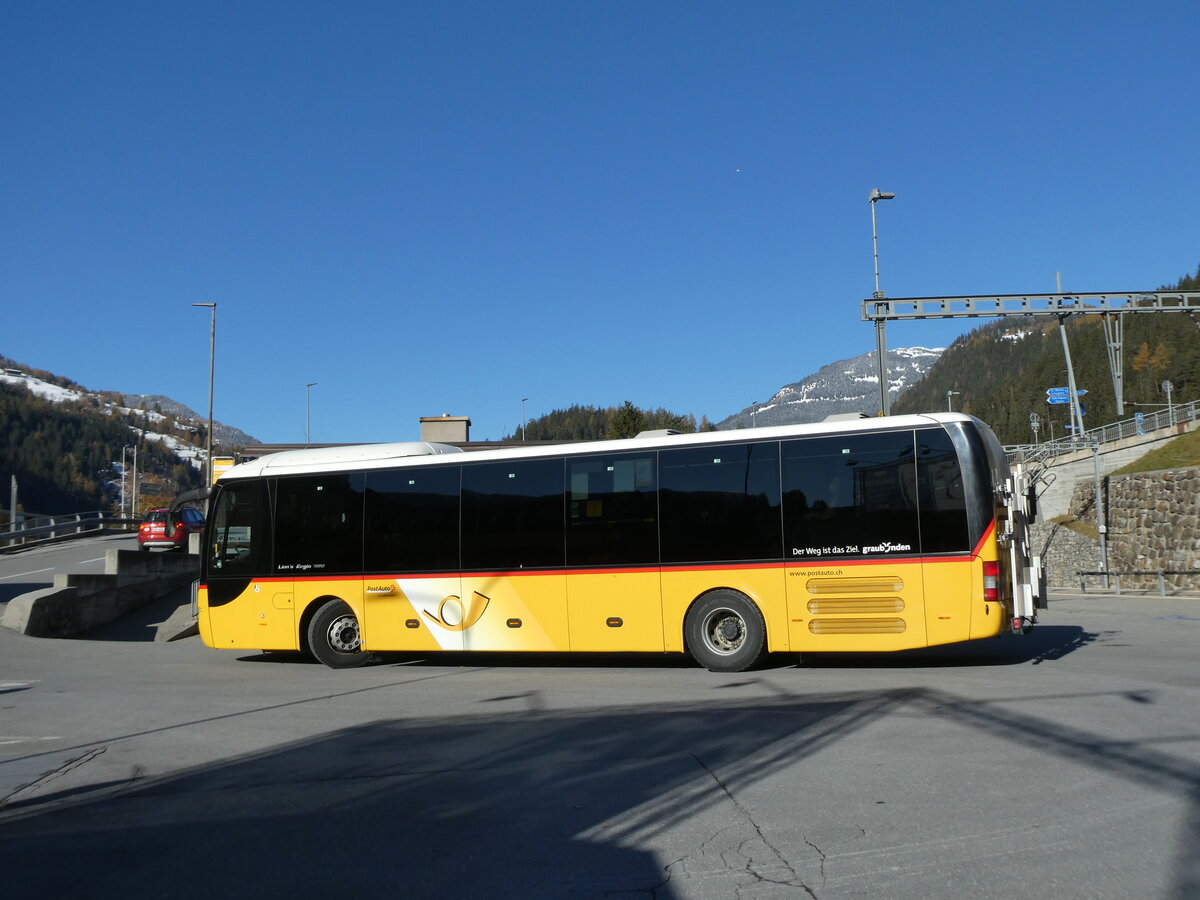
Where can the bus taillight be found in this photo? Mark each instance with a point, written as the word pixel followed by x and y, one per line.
pixel 991 581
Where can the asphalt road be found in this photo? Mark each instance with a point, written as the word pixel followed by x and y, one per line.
pixel 28 570
pixel 1064 764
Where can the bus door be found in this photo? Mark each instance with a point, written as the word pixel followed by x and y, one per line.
pixel 513 591
pixel 318 544
pixel 412 594
pixel 613 582
pixel 245 606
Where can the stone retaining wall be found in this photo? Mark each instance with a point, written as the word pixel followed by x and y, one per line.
pixel 1153 521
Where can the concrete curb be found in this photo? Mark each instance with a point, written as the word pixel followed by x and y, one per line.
pixel 78 603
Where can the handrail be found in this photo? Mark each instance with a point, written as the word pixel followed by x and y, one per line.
pixel 57 528
pixel 1159 573
pixel 1154 421
pixel 1106 434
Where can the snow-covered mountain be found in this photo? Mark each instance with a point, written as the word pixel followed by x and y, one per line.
pixel 223 435
pixel 848 386
pixel 161 419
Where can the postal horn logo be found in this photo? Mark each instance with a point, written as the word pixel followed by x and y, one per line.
pixel 453 615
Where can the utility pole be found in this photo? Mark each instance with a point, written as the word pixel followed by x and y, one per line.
pixel 1076 415
pixel 308 413
pixel 212 357
pixel 885 404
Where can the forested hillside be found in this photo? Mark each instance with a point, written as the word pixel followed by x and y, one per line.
pixel 63 443
pixel 62 455
pixel 1001 370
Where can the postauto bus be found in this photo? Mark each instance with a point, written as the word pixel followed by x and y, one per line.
pixel 865 535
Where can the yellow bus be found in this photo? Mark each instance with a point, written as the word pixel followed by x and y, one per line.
pixel 865 535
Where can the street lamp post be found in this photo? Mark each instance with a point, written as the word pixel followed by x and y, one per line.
pixel 949 403
pixel 880 336
pixel 124 478
pixel 523 399
pixel 308 412
pixel 129 508
pixel 212 356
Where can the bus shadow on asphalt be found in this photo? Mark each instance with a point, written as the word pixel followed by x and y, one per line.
pixel 664 800
pixel 1044 643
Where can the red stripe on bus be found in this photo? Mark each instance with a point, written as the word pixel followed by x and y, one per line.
pixel 627 570
pixel 988 534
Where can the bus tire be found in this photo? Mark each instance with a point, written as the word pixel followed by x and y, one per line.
pixel 333 636
pixel 725 632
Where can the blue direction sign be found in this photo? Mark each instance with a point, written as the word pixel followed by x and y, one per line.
pixel 1061 394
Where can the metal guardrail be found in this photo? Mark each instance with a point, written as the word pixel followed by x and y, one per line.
pixel 1154 421
pixel 1106 434
pixel 1159 573
pixel 44 529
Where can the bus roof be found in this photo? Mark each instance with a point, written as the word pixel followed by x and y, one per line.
pixel 351 456
pixel 375 456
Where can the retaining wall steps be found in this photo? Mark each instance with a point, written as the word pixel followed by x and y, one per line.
pixel 79 603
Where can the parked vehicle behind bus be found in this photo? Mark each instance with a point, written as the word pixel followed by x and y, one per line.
pixel 168 529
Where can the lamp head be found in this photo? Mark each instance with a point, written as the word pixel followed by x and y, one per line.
pixel 877 194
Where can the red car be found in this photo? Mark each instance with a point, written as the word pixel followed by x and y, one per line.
pixel 169 528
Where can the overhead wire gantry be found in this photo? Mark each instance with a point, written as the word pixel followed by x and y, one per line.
pixel 1112 306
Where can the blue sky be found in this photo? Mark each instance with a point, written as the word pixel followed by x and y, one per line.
pixel 444 207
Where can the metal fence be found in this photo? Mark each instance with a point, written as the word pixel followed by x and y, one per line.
pixel 1106 434
pixel 1145 423
pixel 1112 580
pixel 45 529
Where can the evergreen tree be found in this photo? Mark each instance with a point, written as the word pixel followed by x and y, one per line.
pixel 626 422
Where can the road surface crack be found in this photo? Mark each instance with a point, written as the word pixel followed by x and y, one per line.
pixel 793 878
pixel 48 777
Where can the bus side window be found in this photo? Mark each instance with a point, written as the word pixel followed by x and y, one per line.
pixel 412 520
pixel 318 524
pixel 512 514
pixel 720 502
pixel 943 503
pixel 612 510
pixel 850 495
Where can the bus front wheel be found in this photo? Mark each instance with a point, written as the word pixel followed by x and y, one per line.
pixel 333 636
pixel 725 632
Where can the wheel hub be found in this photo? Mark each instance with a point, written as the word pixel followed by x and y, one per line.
pixel 343 634
pixel 726 631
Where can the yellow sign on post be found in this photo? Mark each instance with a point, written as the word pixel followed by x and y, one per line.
pixel 221 465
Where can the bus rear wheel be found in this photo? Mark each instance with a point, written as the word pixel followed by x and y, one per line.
pixel 333 636
pixel 725 632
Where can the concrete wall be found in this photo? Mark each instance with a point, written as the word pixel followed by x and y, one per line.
pixel 78 603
